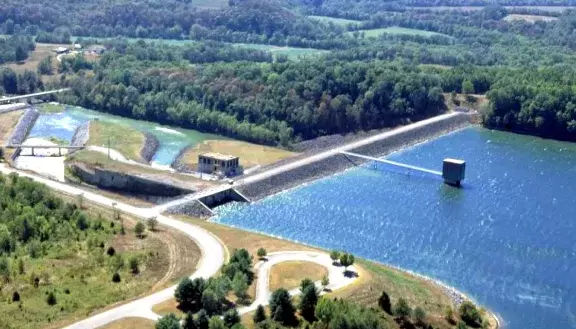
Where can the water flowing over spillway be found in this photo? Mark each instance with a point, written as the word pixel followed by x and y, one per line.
pixel 506 237
pixel 172 140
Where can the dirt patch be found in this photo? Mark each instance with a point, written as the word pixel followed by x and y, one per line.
pixel 7 123
pixel 288 275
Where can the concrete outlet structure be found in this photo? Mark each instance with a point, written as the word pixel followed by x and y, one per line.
pixel 220 164
pixel 453 171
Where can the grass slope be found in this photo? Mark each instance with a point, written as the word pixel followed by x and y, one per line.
pixel 250 154
pixel 125 140
pixel 288 275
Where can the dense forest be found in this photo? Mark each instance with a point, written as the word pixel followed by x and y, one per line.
pixel 15 48
pixel 363 81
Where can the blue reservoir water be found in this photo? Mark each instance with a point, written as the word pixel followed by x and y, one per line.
pixel 507 237
pixel 172 140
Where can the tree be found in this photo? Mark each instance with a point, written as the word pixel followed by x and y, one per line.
pixel 169 321
pixel 116 277
pixel 325 310
pixel 346 260
pixel 325 282
pixel 189 322
pixel 152 224
pixel 240 285
pixel 262 253
pixel 45 66
pixel 308 303
pixel 281 308
pixel 384 303
pixel 15 296
pixel 189 294
pixel 467 87
pixel 134 265
pixel 21 269
pixel 259 315
pixel 139 230
pixel 335 256
pixel 210 302
pixel 470 314
pixel 419 316
pixel 203 321
pixel 20 53
pixel 402 309
pixel 51 299
pixel 216 323
pixel 231 317
pixel 111 251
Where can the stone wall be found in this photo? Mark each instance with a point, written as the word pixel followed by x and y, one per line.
pixel 151 145
pixel 338 162
pixel 123 182
pixel 23 127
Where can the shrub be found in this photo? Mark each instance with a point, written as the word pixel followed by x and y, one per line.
pixel 419 316
pixel 139 230
pixel 470 315
pixel 402 309
pixel 384 303
pixel 261 253
pixel 169 321
pixel 335 255
pixel 134 264
pixel 111 251
pixel 51 299
pixel 116 277
pixel 152 224
pixel 15 296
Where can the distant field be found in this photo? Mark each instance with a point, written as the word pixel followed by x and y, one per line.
pixel 529 18
pixel 553 9
pixel 292 53
pixel 374 33
pixel 42 51
pixel 335 21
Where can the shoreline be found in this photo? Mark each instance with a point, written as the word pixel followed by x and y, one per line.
pixel 455 295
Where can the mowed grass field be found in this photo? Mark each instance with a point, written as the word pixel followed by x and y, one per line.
pixel 125 140
pixel 334 20
pixel 288 275
pixel 374 33
pixel 292 53
pixel 250 154
pixel 529 18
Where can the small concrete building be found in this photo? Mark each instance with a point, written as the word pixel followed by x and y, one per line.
pixel 453 171
pixel 219 164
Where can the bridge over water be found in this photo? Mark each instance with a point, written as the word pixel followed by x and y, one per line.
pixel 12 99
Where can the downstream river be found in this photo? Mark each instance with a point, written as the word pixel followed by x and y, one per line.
pixel 172 140
pixel 507 237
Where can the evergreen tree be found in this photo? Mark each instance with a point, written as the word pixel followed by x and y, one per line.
pixel 231 317
pixel 259 315
pixel 189 294
pixel 169 321
pixel 281 308
pixel 308 303
pixel 384 303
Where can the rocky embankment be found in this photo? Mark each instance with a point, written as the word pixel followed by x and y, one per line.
pixel 151 145
pixel 124 182
pixel 194 208
pixel 327 166
pixel 81 135
pixel 181 166
pixel 23 127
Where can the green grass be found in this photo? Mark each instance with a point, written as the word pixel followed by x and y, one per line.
pixel 334 20
pixel 125 140
pixel 374 33
pixel 291 53
pixel 51 108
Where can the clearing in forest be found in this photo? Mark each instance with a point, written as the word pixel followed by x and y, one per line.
pixel 374 33
pixel 529 18
pixel 336 21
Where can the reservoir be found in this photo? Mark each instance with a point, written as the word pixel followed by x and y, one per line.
pixel 172 140
pixel 507 238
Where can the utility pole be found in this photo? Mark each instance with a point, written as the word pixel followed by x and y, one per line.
pixel 108 147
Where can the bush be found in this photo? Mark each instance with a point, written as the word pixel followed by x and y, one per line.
pixel 335 255
pixel 384 303
pixel 139 230
pixel 169 321
pixel 134 264
pixel 51 299
pixel 15 296
pixel 419 316
pixel 116 277
pixel 261 253
pixel 402 308
pixel 470 315
pixel 152 224
pixel 111 251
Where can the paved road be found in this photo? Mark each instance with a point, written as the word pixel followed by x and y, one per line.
pixel 335 274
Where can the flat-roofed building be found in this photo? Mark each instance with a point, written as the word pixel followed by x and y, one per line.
pixel 219 164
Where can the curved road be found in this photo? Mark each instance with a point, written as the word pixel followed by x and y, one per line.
pixel 212 258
